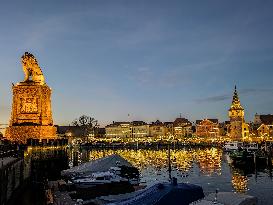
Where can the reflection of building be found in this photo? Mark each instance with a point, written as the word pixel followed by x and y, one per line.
pixel 264 125
pixel 209 160
pixel 182 127
pixel 207 128
pixel 238 128
pixel 239 182
pixel 31 115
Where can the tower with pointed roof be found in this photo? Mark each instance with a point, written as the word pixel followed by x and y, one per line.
pixel 238 128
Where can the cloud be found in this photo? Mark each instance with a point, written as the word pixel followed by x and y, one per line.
pixel 243 92
pixel 217 98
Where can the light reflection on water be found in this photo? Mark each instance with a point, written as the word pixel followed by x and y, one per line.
pixel 206 167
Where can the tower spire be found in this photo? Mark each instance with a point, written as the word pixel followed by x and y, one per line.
pixel 235 100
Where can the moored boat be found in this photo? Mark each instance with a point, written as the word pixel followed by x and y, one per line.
pixel 227 198
pixel 231 146
pixel 158 194
pixel 236 145
pixel 244 158
pixel 101 184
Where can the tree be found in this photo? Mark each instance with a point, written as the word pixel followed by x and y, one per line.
pixel 88 124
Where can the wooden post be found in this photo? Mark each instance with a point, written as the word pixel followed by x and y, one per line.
pixel 169 162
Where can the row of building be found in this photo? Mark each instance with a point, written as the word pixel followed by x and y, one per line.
pixel 235 128
pixel 180 127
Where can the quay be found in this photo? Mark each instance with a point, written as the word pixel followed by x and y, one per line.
pixel 13 174
pixel 22 168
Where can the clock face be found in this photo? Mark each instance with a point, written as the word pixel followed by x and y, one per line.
pixel 28 105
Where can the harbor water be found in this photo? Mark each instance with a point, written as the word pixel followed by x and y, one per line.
pixel 207 167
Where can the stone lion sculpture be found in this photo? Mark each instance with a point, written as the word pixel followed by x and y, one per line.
pixel 31 69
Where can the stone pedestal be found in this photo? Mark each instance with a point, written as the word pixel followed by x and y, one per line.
pixel 31 115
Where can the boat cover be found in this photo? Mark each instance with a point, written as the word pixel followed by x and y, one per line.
pixel 99 165
pixel 161 194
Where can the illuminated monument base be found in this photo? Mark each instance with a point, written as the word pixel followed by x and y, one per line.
pixel 31 113
pixel 22 133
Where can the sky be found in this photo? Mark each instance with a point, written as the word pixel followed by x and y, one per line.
pixel 150 59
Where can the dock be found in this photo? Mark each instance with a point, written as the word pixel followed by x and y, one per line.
pixel 13 173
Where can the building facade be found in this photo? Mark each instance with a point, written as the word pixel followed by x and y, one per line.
pixel 118 130
pixel 182 127
pixel 140 129
pixel 135 129
pixel 157 129
pixel 207 128
pixel 264 125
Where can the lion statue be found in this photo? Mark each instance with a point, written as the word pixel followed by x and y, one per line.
pixel 31 69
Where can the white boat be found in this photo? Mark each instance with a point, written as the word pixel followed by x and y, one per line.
pixel 231 146
pixel 98 178
pixel 250 147
pixel 235 145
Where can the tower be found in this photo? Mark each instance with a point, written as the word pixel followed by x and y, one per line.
pixel 31 115
pixel 236 116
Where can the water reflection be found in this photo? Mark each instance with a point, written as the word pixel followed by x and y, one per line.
pixel 208 160
pixel 207 167
pixel 239 183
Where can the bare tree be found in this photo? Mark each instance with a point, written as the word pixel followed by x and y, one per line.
pixel 87 123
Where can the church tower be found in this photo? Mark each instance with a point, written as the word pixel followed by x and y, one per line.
pixel 236 116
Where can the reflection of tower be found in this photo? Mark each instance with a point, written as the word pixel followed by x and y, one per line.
pixel 239 183
pixel 239 180
pixel 236 115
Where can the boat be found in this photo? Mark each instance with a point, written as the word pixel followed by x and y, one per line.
pixel 230 198
pixel 231 146
pixel 243 158
pixel 235 145
pixel 251 147
pixel 158 194
pixel 96 179
pixel 100 184
pixel 114 163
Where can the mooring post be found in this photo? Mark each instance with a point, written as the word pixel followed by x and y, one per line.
pixel 169 162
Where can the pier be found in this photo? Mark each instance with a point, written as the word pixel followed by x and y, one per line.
pixel 13 173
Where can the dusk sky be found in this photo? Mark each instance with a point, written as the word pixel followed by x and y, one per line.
pixel 150 59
